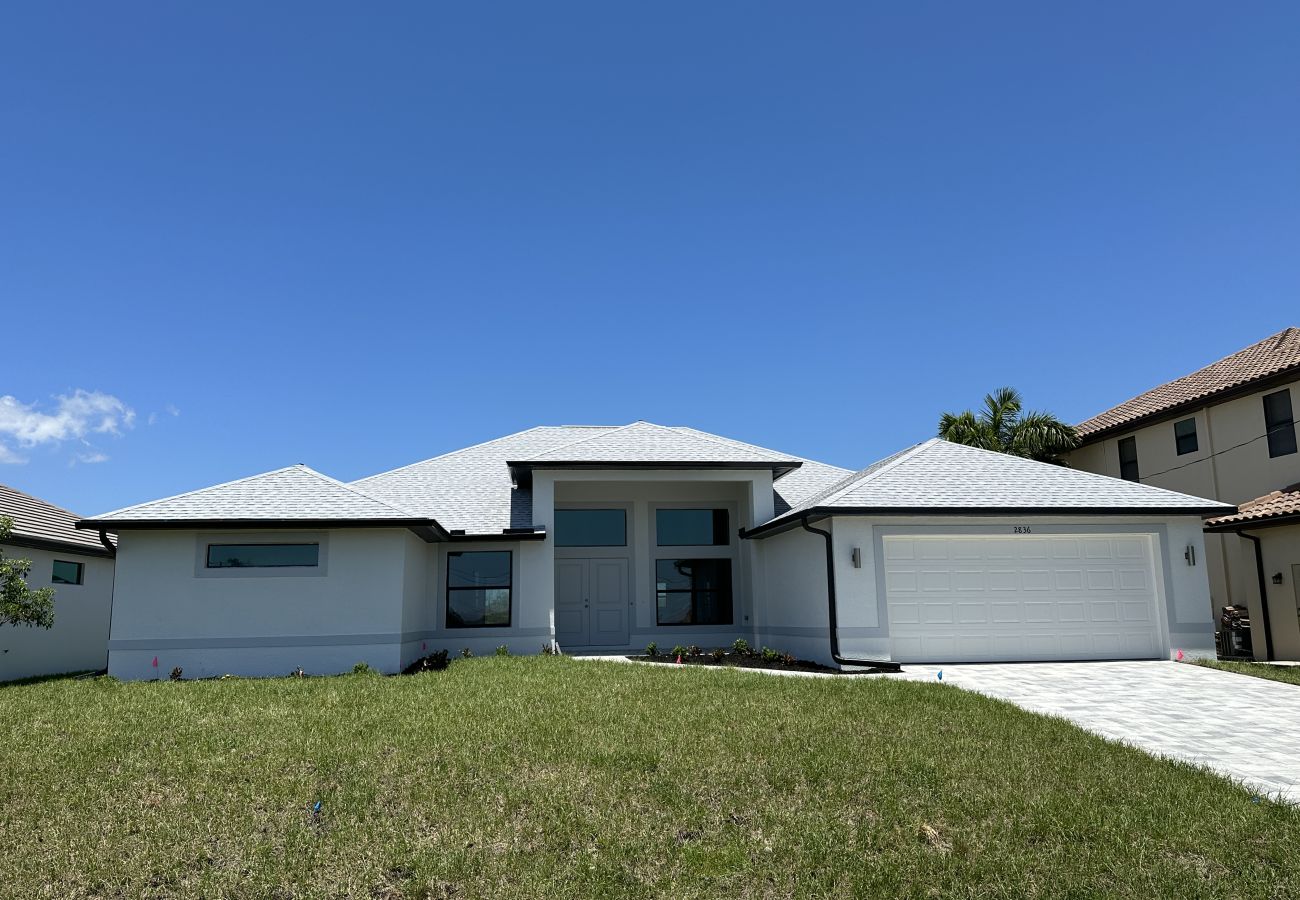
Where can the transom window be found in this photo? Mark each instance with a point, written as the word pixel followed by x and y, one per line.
pixel 1128 459
pixel 693 591
pixel 478 589
pixel 590 528
pixel 692 528
pixel 67 572
pixel 1279 423
pixel 262 556
pixel 1185 436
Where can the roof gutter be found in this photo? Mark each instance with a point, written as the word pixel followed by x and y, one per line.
pixel 108 545
pixel 831 608
pixel 1263 592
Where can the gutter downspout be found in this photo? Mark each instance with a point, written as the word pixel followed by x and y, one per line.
pixel 108 545
pixel 1263 592
pixel 830 595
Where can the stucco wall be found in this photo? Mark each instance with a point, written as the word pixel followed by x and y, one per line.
pixel 790 599
pixel 257 622
pixel 79 639
pixel 1280 546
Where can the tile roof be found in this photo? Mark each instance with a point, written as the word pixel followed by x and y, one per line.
pixel 939 476
pixel 38 522
pixel 472 489
pixel 1271 356
pixel 291 493
pixel 1277 505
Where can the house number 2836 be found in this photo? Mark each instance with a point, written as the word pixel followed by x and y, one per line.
pixel 1021 529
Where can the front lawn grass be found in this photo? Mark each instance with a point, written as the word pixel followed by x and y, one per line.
pixel 1288 674
pixel 551 777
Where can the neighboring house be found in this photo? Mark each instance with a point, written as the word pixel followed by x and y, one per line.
pixel 605 538
pixel 79 566
pixel 1226 431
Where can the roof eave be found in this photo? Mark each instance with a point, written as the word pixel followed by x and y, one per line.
pixel 33 543
pixel 429 527
pixel 1292 518
pixel 778 468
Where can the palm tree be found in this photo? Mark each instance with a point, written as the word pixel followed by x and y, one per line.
pixel 1002 426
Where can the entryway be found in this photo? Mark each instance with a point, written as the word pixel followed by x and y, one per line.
pixel 592 606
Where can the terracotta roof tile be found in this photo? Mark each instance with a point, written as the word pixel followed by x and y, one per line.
pixel 1270 506
pixel 1271 356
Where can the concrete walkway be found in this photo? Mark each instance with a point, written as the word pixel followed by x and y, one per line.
pixel 1243 727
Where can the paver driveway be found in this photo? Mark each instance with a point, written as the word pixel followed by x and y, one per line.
pixel 1246 728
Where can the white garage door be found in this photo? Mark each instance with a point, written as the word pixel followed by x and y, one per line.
pixel 963 598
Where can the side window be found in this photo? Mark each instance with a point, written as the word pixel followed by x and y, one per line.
pixel 1185 436
pixel 1128 459
pixel 1279 423
pixel 478 588
pixel 67 572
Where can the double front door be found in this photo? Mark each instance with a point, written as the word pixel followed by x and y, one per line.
pixel 592 603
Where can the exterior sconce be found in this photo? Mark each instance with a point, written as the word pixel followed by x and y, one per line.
pixel 1190 554
pixel 857 557
pixel 1277 577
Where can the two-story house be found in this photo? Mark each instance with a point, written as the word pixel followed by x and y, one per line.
pixel 1226 431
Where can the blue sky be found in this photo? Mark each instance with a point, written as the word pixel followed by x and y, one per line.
pixel 242 235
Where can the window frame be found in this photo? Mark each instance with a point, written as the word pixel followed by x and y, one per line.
pixel 1124 464
pixel 448 588
pixel 729 591
pixel 1280 433
pixel 81 573
pixel 621 510
pixel 207 555
pixel 1180 438
pixel 714 509
pixel 203 538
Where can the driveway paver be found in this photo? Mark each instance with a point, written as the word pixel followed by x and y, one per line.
pixel 1243 727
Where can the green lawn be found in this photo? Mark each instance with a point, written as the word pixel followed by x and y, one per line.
pixel 544 777
pixel 1288 674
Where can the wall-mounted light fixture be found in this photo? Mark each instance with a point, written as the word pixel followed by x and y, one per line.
pixel 1277 577
pixel 1190 554
pixel 857 557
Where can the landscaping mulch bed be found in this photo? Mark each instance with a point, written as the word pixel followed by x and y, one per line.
pixel 733 661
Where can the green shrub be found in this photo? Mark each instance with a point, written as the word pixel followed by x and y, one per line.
pixel 434 662
pixel 679 651
pixel 652 649
pixel 770 655
pixel 466 653
pixel 717 654
pixel 694 650
pixel 503 650
pixel 362 669
pixel 741 647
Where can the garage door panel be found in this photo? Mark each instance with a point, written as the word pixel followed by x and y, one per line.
pixel 956 598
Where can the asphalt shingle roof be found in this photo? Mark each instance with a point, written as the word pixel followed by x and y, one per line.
pixel 939 476
pixel 646 442
pixel 38 522
pixel 291 493
pixel 1277 505
pixel 1274 355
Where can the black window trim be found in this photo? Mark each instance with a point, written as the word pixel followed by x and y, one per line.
pixel 509 587
pixel 730 591
pixel 208 545
pixel 1130 441
pixel 568 509
pixel 1280 433
pixel 1179 438
pixel 81 572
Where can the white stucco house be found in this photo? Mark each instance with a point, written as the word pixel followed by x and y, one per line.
pixel 605 538
pixel 78 565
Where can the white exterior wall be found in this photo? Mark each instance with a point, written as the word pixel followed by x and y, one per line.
pixel 78 642
pixel 257 622
pixel 790 608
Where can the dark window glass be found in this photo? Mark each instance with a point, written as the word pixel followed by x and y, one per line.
pixel 590 528
pixel 66 572
pixel 692 528
pixel 1279 423
pixel 1185 436
pixel 262 556
pixel 693 591
pixel 1128 459
pixel 478 589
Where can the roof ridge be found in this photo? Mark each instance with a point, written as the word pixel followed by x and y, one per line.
pixel 494 440
pixel 583 440
pixel 807 459
pixel 126 509
pixel 363 494
pixel 862 476
pixel 718 439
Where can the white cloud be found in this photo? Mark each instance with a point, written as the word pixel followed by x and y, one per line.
pixel 170 409
pixel 74 416
pixel 93 456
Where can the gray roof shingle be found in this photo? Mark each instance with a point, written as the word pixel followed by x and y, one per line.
pixel 938 476
pixel 294 493
pixel 38 523
pixel 646 442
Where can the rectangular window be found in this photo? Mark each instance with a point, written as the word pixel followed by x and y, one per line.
pixel 1279 423
pixel 478 589
pixel 1185 436
pixel 67 572
pixel 692 528
pixel 262 556
pixel 1128 458
pixel 590 528
pixel 693 591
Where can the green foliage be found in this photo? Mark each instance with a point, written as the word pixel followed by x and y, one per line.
pixel 652 649
pixel 503 650
pixel 770 655
pixel 466 653
pixel 694 650
pixel 679 650
pixel 1002 426
pixel 717 654
pixel 362 668
pixel 19 604
pixel 740 647
pixel 434 662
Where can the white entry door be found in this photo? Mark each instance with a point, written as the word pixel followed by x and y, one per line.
pixel 965 598
pixel 592 608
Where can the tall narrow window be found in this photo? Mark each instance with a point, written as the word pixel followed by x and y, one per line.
pixel 1128 458
pixel 693 591
pixel 1279 423
pixel 1185 436
pixel 478 589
